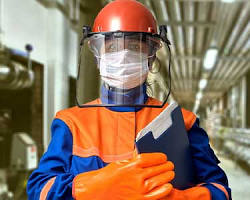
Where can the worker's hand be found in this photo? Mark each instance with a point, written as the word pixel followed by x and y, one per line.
pixel 145 177
pixel 194 193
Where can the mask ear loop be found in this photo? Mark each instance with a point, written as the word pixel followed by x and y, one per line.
pixel 86 31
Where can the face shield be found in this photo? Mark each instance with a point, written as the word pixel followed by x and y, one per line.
pixel 123 62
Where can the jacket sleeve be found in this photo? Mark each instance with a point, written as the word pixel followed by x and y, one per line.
pixel 52 179
pixel 208 173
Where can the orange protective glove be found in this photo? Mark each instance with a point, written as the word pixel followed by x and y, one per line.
pixel 145 177
pixel 194 193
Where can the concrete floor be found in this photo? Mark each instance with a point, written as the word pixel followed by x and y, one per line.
pixel 239 181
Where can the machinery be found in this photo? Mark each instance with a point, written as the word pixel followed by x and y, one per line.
pixel 12 74
pixel 18 151
pixel 23 153
pixel 23 159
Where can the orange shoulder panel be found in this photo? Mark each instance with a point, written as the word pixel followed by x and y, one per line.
pixel 70 115
pixel 101 132
pixel 189 118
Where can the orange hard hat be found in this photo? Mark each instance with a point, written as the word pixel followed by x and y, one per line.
pixel 127 16
pixel 124 33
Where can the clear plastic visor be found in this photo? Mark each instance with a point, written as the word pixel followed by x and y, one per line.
pixel 119 69
pixel 139 43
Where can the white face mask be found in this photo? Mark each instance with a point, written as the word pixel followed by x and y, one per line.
pixel 124 69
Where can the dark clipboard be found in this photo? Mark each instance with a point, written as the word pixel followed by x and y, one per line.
pixel 173 141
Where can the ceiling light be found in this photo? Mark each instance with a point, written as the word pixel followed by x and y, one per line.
pixel 210 58
pixel 202 83
pixel 228 1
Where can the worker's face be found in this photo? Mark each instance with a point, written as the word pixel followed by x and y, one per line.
pixel 124 60
pixel 130 45
pixel 138 43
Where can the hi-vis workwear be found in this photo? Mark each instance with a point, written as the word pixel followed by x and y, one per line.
pixel 88 139
pixel 92 147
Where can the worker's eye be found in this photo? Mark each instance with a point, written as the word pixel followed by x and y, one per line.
pixel 111 48
pixel 134 46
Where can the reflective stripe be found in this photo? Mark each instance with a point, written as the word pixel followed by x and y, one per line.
pixel 189 118
pixel 78 151
pixel 219 186
pixel 73 190
pixel 46 188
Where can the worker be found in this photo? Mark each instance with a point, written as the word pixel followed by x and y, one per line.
pixel 92 152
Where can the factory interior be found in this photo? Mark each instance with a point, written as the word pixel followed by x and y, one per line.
pixel 39 52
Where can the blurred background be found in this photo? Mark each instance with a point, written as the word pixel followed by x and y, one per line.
pixel 39 42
